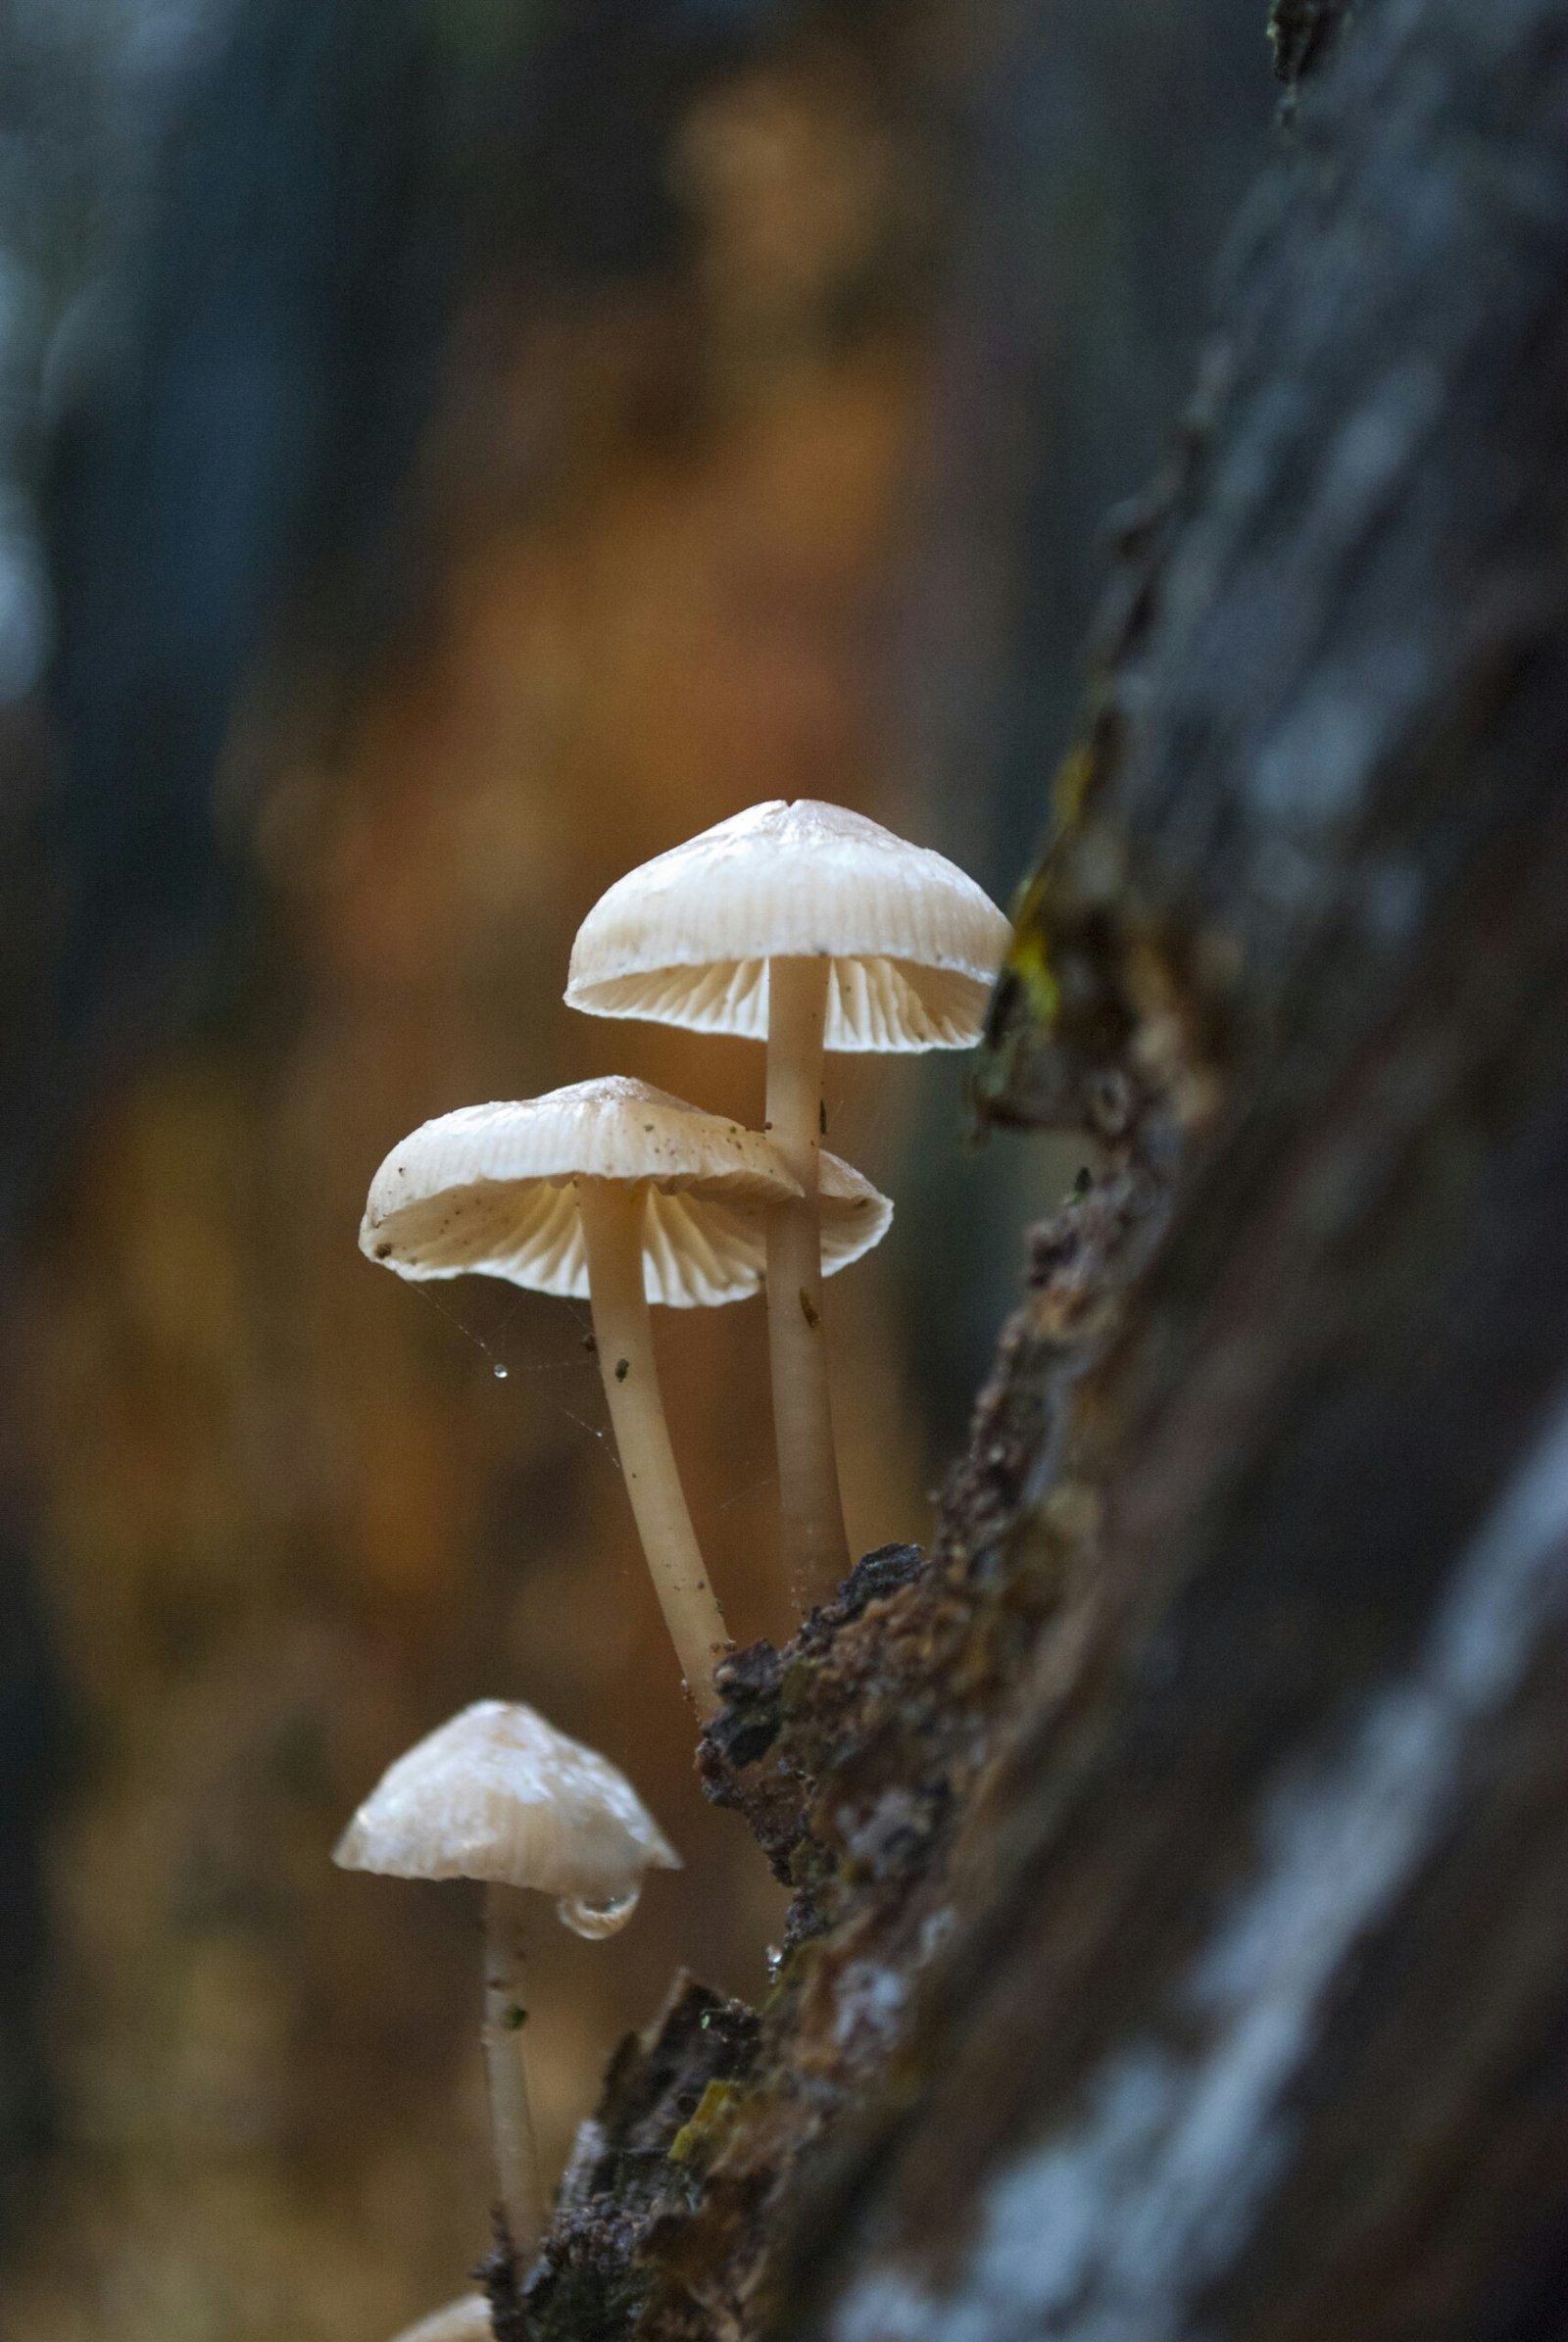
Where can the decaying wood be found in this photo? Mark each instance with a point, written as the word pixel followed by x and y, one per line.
pixel 853 1753
pixel 1181 1850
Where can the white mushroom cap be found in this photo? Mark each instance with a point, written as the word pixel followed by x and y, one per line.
pixel 915 945
pixel 467 2320
pixel 489 1191
pixel 498 1795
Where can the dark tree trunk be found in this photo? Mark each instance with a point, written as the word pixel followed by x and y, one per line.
pixel 1180 1941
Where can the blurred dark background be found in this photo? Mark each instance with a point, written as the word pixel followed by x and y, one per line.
pixel 451 450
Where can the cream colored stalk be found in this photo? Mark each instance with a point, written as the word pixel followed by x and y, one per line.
pixel 515 2146
pixel 613 1214
pixel 811 1504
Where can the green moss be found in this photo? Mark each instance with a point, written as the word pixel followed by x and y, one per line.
pixel 792 1966
pixel 711 2107
pixel 795 1684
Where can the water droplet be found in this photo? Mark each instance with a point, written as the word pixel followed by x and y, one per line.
pixel 595 1919
pixel 500 1372
pixel 775 1961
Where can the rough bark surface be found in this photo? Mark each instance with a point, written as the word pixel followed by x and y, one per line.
pixel 1180 1849
pixel 853 1753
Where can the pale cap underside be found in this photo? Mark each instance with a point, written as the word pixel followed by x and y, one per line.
pixel 490 1191
pixel 498 1795
pixel 914 944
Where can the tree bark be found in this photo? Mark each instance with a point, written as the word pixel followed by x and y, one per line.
pixel 1181 1848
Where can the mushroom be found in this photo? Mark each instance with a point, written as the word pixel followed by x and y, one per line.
pixel 615 1191
pixel 467 2320
pixel 500 1795
pixel 812 928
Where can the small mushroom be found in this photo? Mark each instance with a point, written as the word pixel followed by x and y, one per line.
pixel 812 928
pixel 617 1193
pixel 498 1794
pixel 467 2320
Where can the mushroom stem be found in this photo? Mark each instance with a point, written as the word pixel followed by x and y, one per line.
pixel 816 1546
pixel 613 1214
pixel 511 2132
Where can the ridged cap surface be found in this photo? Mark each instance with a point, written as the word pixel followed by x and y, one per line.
pixel 498 1795
pixel 489 1191
pixel 685 940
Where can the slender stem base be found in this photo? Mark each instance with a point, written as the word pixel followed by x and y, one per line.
pixel 516 2150
pixel 816 1548
pixel 613 1235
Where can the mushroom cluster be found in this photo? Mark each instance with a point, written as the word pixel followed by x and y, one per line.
pixel 810 929
pixel 804 926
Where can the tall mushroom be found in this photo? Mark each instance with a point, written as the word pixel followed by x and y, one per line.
pixel 813 928
pixel 613 1191
pixel 498 1794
